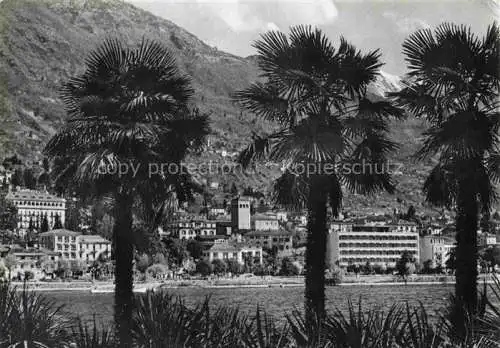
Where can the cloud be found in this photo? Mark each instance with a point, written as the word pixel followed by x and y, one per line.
pixel 406 25
pixel 493 5
pixel 252 15
pixel 272 26
pixel 257 15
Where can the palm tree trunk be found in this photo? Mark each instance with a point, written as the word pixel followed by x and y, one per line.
pixel 466 252
pixel 316 252
pixel 122 234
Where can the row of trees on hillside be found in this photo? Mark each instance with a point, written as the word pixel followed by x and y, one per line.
pixel 29 177
pixel 131 107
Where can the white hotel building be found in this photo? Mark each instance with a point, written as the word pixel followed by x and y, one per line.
pixel 34 205
pixel 350 243
pixel 75 246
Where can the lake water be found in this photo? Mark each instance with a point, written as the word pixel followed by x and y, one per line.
pixel 277 301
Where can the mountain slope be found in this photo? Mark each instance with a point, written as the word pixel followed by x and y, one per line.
pixel 44 42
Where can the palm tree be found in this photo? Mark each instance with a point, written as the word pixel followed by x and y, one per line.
pixel 128 114
pixel 453 83
pixel 316 96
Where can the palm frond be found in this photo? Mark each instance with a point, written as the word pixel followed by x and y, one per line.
pixel 415 99
pixel 463 135
pixel 356 69
pixel 255 151
pixel 440 187
pixel 265 101
pixel 310 141
pixel 291 190
pixel 365 170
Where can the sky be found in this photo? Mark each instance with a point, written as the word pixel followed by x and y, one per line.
pixel 233 25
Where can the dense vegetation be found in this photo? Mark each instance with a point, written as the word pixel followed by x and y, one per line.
pixel 161 320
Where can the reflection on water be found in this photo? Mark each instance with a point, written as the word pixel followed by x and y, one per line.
pixel 277 301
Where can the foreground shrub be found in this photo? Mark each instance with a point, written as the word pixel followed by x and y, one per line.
pixel 86 335
pixel 31 320
pixel 161 320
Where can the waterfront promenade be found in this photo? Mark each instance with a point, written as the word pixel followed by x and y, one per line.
pixel 242 282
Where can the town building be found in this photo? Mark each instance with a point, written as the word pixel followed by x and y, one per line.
pixel 240 214
pixel 432 229
pixel 217 210
pixel 74 246
pixel 377 243
pixel 5 176
pixel 232 250
pixel 34 205
pixel 224 227
pixel 281 239
pixel 207 242
pixel 62 241
pixel 91 247
pixel 190 229
pixel 436 248
pixel 265 222
pixel 282 216
pixel 31 260
pixel 486 239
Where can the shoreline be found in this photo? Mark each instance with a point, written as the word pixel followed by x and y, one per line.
pixel 234 283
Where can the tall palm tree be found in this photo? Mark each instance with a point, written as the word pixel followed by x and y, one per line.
pixel 128 111
pixel 453 82
pixel 316 95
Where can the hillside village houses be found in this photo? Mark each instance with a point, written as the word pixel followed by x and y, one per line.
pixel 241 235
pixel 376 239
